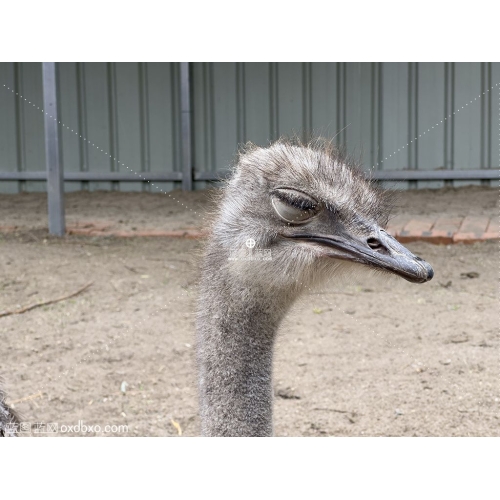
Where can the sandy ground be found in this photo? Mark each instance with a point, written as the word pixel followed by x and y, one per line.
pixel 373 358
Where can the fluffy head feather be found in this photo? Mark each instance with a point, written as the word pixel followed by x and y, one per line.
pixel 319 169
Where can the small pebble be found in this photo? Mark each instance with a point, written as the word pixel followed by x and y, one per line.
pixel 470 275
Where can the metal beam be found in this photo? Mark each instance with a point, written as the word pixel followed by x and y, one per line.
pixel 436 175
pixel 55 180
pixel 186 139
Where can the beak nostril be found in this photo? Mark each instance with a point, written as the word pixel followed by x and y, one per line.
pixel 374 244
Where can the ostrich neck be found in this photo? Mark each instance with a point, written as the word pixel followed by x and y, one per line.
pixel 236 330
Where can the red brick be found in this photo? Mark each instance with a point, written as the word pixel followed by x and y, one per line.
pixel 493 226
pixel 447 225
pixel 8 229
pixel 443 230
pixel 396 224
pixel 420 225
pixel 76 230
pixel 190 233
pixel 491 236
pixel 473 229
pixel 474 224
pixel 102 229
pixel 87 227
pixel 417 229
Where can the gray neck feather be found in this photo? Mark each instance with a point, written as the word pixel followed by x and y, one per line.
pixel 236 329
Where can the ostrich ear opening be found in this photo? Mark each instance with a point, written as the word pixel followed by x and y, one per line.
pixel 292 206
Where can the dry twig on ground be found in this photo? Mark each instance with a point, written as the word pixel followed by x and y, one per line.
pixel 27 308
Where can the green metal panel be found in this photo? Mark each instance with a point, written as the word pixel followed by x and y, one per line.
pixel 203 126
pixel 127 103
pixel 162 137
pixel 395 117
pixel 72 145
pixel 257 103
pixel 9 132
pixel 361 103
pixel 290 91
pixel 494 129
pixel 326 111
pixel 225 112
pixel 97 110
pixel 30 130
pixel 467 123
pixel 430 110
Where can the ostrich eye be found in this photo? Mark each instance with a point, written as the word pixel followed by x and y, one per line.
pixel 293 206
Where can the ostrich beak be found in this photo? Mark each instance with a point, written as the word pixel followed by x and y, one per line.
pixel 382 252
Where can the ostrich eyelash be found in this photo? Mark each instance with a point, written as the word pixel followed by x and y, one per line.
pixel 299 201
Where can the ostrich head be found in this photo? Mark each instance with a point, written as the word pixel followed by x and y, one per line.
pixel 315 211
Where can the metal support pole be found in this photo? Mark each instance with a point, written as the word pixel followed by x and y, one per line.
pixel 187 161
pixel 55 178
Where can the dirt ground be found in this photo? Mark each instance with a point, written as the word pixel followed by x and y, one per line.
pixel 372 358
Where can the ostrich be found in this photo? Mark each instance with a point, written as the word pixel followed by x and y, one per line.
pixel 9 420
pixel 319 216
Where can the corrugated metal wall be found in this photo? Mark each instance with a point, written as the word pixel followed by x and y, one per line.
pixel 375 108
pixel 128 109
pixel 132 110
